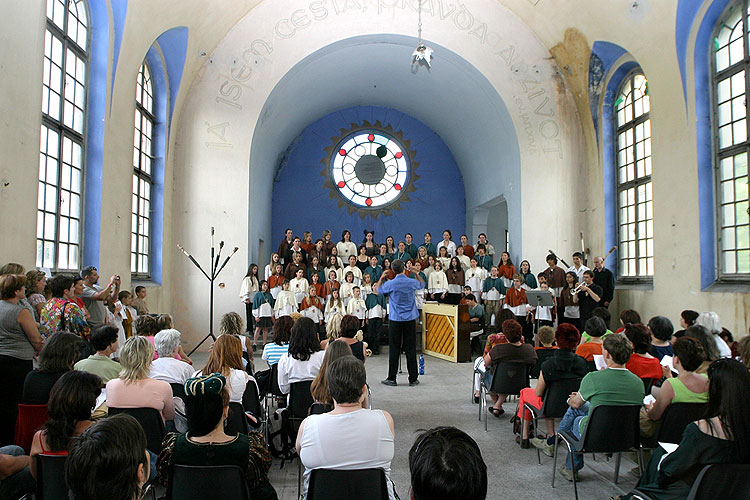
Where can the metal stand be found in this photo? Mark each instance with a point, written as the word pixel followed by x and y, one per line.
pixel 215 270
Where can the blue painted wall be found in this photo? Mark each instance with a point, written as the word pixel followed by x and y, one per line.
pixel 302 203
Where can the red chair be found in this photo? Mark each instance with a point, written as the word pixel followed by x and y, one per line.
pixel 30 419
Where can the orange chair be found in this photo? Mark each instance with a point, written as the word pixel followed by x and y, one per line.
pixel 30 419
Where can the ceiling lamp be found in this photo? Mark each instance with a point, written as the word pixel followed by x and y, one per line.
pixel 422 55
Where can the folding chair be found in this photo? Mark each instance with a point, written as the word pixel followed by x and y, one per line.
pixel 217 482
pixel 50 477
pixel 363 484
pixel 509 378
pixel 152 423
pixel 29 420
pixel 251 404
pixel 554 403
pixel 673 422
pixel 610 429
pixel 300 400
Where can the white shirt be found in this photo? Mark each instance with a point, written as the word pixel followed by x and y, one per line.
pixel 170 370
pixel 437 282
pixel 293 370
pixel 236 383
pixel 356 307
pixel 345 249
pixel 451 247
pixel 579 272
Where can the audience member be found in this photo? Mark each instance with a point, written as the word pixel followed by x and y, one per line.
pixel 19 340
pixel 641 362
pixel 139 302
pixel 702 335
pixel 282 332
pixel 319 386
pixel 628 316
pixel 166 367
pixel 70 404
pixel 59 354
pixel 94 295
pixel 61 313
pixel 446 464
pixel 604 314
pixel 15 478
pixel 109 461
pixel 133 388
pixel 743 349
pixel 165 322
pixel 36 281
pixel 350 327
pixel 661 336
pixel 727 337
pixel 304 357
pixel 711 321
pixel 206 443
pixel 368 434
pixel 128 313
pixel 613 386
pixel 104 341
pixel 687 319
pixel 546 337
pixel 595 328
pixel 226 359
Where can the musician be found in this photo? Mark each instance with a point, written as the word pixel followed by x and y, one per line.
pixel 515 300
pixel 606 280
pixel 569 309
pixel 555 274
pixel 578 266
pixel 588 296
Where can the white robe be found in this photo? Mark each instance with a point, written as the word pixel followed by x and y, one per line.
pixel 356 307
pixel 286 303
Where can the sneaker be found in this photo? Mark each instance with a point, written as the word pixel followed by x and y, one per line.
pixel 390 382
pixel 412 384
pixel 568 474
pixel 545 448
pixel 255 347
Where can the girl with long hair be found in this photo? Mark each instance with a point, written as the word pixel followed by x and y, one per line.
pixel 226 358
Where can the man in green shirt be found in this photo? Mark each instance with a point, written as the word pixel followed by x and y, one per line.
pixel 614 385
pixel 104 340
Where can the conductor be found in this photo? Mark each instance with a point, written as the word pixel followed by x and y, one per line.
pixel 402 329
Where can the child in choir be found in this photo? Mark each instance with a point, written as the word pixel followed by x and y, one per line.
pixel 430 266
pixel 271 266
pixel 386 265
pixel 299 285
pixel 331 284
pixel 347 287
pixel 333 265
pixel 307 242
pixel 463 259
pixel 515 300
pixel 443 257
pixel 316 268
pixel 528 280
pixel 334 306
pixel 483 260
pixel 416 268
pixel 493 293
pixel 383 249
pixel 374 271
pixel 506 270
pixel 275 281
pixel 366 286
pixel 286 302
pixel 319 287
pixel 456 280
pixel 250 286
pixel 312 308
pixel 437 283
pixel 429 246
pixel 346 247
pixel 555 275
pixel 363 260
pixel 401 254
pixel 475 277
pixel 411 248
pixel 447 244
pixel 335 253
pixel 356 306
pixel 317 252
pixel 422 257
pixel 545 314
pixel 376 310
pixel 297 263
pixel 468 249
pixel 369 243
pixel 263 304
pixel 352 267
pixel 390 247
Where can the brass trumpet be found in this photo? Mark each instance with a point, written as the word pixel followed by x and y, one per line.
pixel 577 288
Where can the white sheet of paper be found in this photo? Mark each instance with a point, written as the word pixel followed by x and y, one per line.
pixel 101 399
pixel 670 448
pixel 648 400
pixel 667 361
pixel 123 313
pixel 599 362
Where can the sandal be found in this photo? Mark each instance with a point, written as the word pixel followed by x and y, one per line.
pixel 495 411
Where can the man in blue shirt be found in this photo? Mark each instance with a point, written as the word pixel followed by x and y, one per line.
pixel 402 328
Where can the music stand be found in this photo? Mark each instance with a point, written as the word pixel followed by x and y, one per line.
pixel 539 298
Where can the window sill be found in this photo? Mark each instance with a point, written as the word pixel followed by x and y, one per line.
pixel 728 287
pixel 636 286
pixel 142 281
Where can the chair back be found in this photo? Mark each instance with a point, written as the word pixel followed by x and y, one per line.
pixel 612 428
pixel 251 399
pixel 50 477
pixel 178 390
pixel 274 388
pixel 721 481
pixel 300 399
pixel 591 365
pixel 647 384
pixel 510 377
pixel 555 402
pixel 676 418
pixel 319 408
pixel 152 423
pixel 236 420
pixel 218 482
pixel 363 484
pixel 30 419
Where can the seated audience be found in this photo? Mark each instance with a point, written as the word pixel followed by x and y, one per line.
pixel 15 478
pixel 743 349
pixel 727 337
pixel 282 331
pixel 109 461
pixel 145 326
pixel 614 385
pixel 515 351
pixel 368 434
pixel 702 335
pixel 165 322
pixel 206 443
pixel 61 313
pixel 333 329
pixel 59 354
pixel 546 337
pixel 133 388
pixel 687 319
pixel 720 438
pixel 350 326
pixel 104 341
pixel 711 321
pixel 319 387
pixel 628 316
pixel 166 367
pixel 688 387
pixel 446 464
pixel 69 409
pixel 641 362
pixel 563 365
pixel 603 313
pixel 226 359
pixel 595 328
pixel 302 361
pixel 661 336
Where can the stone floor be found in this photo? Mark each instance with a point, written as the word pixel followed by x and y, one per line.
pixel 444 398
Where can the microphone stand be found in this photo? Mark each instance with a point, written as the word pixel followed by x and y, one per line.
pixel 214 273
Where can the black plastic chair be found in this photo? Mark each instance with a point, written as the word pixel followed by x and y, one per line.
pixel 152 423
pixel 236 422
pixel 721 481
pixel 363 484
pixel 300 401
pixel 319 408
pixel 251 404
pixel 610 429
pixel 218 482
pixel 509 378
pixel 673 422
pixel 178 390
pixel 554 403
pixel 50 477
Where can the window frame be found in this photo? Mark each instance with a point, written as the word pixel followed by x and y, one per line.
pixel 634 184
pixel 63 131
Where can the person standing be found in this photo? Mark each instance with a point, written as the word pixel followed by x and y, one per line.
pixel 94 296
pixel 588 297
pixel 402 329
pixel 605 279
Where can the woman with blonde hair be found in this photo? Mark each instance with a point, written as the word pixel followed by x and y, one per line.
pixel 134 388
pixel 226 358
pixel 333 329
pixel 271 266
pixel 232 324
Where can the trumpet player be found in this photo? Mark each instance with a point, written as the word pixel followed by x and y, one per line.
pixel 569 308
pixel 588 296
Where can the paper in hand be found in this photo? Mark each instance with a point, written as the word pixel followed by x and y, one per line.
pixel 667 361
pixel 599 362
pixel 648 399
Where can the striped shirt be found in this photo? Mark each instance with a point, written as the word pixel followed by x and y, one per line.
pixel 273 351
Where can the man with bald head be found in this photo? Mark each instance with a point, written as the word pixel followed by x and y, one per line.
pixel 605 279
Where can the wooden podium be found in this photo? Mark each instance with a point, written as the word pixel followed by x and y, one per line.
pixel 446 331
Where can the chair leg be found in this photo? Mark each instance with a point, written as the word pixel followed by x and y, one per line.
pixel 554 463
pixel 299 476
pixel 617 466
pixel 575 483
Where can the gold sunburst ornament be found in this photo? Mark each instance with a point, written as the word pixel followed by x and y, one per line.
pixel 370 168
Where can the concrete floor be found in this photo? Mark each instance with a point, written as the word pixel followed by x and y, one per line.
pixel 444 398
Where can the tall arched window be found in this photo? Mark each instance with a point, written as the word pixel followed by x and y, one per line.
pixel 635 217
pixel 61 158
pixel 143 154
pixel 730 78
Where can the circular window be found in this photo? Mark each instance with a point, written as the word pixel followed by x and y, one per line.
pixel 370 169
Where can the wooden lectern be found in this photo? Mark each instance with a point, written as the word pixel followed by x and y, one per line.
pixel 446 331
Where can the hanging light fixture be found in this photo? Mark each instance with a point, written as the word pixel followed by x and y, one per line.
pixel 422 55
